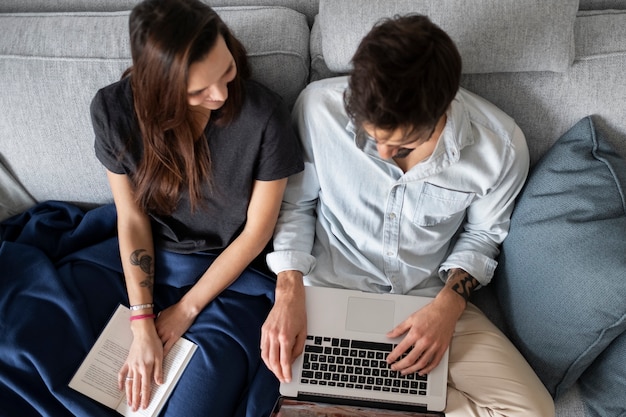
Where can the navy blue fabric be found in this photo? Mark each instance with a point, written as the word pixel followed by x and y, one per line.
pixel 61 279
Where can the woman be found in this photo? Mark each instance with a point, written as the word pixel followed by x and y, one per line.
pixel 197 157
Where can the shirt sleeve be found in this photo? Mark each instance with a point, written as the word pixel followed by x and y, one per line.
pixel 488 218
pixel 280 152
pixel 295 229
pixel 105 144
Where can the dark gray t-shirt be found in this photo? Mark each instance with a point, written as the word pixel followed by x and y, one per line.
pixel 259 144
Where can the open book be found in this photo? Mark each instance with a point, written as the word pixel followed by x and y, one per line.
pixel 97 375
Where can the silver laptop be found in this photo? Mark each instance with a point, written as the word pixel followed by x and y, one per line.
pixel 344 357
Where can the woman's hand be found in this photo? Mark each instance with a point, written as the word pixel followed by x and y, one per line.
pixel 143 365
pixel 172 323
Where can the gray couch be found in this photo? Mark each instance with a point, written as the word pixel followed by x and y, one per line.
pixel 548 64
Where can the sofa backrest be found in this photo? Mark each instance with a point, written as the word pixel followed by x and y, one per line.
pixel 306 7
pixel 52 64
pixel 546 105
pixel 53 61
pixel 570 65
pixel 602 5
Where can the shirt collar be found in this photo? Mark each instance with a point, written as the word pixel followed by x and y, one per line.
pixel 457 133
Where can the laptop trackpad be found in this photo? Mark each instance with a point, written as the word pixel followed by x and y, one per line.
pixel 369 315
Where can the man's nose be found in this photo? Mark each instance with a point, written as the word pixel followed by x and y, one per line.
pixel 385 151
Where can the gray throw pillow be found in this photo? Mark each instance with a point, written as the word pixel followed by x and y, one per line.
pixel 561 277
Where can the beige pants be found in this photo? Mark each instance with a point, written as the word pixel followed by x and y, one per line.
pixel 488 376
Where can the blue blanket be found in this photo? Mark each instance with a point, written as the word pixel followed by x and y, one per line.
pixel 61 279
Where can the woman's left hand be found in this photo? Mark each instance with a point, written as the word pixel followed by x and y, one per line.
pixel 171 324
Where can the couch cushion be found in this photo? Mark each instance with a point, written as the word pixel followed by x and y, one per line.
pixel 603 384
pixel 52 64
pixel 599 33
pixel 561 277
pixel 492 36
pixel 602 4
pixel 13 197
pixel 306 7
pixel 547 104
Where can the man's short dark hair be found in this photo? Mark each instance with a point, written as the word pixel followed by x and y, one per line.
pixel 406 72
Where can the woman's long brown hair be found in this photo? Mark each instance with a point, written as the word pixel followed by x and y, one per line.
pixel 167 36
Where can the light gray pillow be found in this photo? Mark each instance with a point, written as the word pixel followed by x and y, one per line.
pixel 492 36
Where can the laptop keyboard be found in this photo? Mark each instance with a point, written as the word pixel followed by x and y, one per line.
pixel 355 364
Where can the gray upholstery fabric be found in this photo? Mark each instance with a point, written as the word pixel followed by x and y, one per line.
pixel 53 63
pixel 502 36
pixel 319 69
pixel 570 404
pixel 18 6
pixel 602 4
pixel 594 85
pixel 277 41
pixel 600 33
pixel 51 69
pixel 13 197
pixel 307 7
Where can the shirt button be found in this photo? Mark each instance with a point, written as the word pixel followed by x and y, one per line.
pixel 392 216
pixel 389 253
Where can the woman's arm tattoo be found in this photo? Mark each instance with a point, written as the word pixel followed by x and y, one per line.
pixel 145 263
pixel 462 283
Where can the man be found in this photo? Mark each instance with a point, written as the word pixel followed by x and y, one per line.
pixel 408 187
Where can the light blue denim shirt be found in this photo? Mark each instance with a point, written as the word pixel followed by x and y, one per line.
pixel 354 220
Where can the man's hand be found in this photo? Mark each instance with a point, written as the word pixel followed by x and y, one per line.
pixel 284 332
pixel 428 332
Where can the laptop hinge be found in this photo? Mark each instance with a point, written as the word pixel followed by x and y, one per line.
pixel 357 402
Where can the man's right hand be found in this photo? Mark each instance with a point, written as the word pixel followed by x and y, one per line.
pixel 284 331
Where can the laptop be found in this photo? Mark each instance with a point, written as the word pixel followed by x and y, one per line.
pixel 344 355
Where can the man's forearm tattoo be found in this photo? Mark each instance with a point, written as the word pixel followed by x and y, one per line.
pixel 463 283
pixel 145 263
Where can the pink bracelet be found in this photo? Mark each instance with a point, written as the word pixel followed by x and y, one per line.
pixel 142 316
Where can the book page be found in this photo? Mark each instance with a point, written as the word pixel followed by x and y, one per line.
pixel 97 375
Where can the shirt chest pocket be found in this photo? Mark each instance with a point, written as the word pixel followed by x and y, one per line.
pixel 438 206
